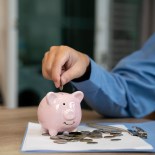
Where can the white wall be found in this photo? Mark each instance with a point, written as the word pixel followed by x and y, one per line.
pixel 102 31
pixel 8 52
pixel 2 44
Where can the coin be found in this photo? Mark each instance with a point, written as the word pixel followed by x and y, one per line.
pixel 54 137
pixel 60 141
pixel 116 135
pixel 85 132
pixel 75 133
pixel 115 132
pixel 61 85
pixel 92 142
pixel 65 137
pixel 109 136
pixel 84 136
pixel 86 140
pixel 106 128
pixel 115 139
pixel 96 134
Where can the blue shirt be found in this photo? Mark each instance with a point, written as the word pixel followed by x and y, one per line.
pixel 128 90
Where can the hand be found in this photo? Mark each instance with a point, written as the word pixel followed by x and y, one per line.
pixel 62 64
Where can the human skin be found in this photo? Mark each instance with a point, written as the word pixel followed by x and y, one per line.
pixel 61 64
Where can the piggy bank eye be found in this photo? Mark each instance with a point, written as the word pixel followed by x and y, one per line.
pixel 63 103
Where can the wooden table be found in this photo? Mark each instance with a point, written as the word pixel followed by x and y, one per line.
pixel 13 123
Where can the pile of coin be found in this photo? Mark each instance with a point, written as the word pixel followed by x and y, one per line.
pixel 85 136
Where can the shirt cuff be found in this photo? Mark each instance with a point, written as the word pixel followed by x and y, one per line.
pixel 86 76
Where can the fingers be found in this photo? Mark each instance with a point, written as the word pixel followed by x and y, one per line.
pixel 59 62
pixel 53 63
pixel 45 66
pixel 70 74
pixel 77 69
pixel 64 64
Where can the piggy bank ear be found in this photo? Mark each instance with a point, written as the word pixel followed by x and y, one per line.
pixel 79 95
pixel 50 97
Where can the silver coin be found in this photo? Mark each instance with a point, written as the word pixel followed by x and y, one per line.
pixel 54 137
pixel 65 137
pixel 115 132
pixel 96 134
pixel 106 128
pixel 61 88
pixel 117 135
pixel 116 139
pixel 109 136
pixel 92 142
pixel 84 136
pixel 86 140
pixel 75 133
pixel 61 85
pixel 74 140
pixel 60 141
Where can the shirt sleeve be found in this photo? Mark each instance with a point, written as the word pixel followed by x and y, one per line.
pixel 126 91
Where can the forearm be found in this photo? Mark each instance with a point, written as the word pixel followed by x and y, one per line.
pixel 104 92
pixel 128 91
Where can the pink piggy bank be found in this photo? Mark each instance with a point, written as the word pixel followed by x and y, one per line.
pixel 59 112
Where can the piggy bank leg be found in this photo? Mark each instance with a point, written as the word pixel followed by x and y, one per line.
pixel 53 132
pixel 75 130
pixel 44 130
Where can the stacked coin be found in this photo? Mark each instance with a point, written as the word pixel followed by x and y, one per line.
pixel 84 136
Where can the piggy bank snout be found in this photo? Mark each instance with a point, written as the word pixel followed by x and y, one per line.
pixel 69 114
